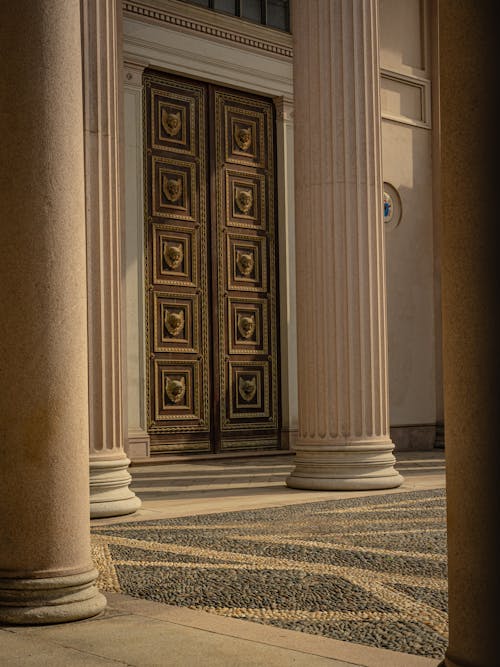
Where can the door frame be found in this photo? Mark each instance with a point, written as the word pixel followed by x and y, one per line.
pixel 249 61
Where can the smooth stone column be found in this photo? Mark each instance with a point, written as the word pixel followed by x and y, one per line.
pixel 138 439
pixel 46 572
pixel 343 440
pixel 286 241
pixel 110 494
pixel 469 109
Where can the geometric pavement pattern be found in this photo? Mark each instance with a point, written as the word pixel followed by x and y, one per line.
pixel 367 570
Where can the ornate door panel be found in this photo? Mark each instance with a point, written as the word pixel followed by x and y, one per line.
pixel 177 318
pixel 246 295
pixel 210 268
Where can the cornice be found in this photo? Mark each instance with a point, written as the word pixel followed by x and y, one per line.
pixel 211 24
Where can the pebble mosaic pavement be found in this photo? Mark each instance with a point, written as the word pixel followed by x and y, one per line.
pixel 368 570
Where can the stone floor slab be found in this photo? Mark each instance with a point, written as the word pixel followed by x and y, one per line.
pixel 21 650
pixel 352 654
pixel 142 641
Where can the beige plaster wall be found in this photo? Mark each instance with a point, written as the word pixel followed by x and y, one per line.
pixel 407 154
pixel 407 165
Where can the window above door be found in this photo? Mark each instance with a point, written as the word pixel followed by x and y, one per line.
pixel 271 13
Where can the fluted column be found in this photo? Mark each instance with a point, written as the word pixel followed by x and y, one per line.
pixel 110 494
pixel 343 440
pixel 46 573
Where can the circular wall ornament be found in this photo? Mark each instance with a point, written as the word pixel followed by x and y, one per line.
pixel 392 206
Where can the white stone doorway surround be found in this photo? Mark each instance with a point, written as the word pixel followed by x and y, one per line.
pixel 178 39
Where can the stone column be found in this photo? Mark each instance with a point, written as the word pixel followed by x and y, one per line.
pixel 286 244
pixel 110 494
pixel 46 573
pixel 138 437
pixel 469 109
pixel 343 440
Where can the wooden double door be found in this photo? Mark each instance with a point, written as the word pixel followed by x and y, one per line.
pixel 211 265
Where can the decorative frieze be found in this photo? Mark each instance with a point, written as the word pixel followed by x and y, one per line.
pixel 192 19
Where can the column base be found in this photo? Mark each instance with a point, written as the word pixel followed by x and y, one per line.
pixel 110 494
pixel 356 466
pixel 51 600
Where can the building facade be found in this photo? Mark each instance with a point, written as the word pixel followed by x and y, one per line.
pixel 172 39
pixel 195 258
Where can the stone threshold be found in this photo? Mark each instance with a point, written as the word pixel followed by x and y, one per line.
pixel 165 459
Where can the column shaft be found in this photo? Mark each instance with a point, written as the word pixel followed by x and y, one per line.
pixel 286 241
pixel 471 324
pixel 138 437
pixel 46 573
pixel 110 494
pixel 344 440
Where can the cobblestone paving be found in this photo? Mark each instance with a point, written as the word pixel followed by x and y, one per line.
pixel 367 570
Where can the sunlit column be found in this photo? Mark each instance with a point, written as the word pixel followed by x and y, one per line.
pixel 110 494
pixel 343 440
pixel 46 573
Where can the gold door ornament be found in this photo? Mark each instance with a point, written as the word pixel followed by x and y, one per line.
pixel 244 200
pixel 173 255
pixel 172 189
pixel 246 325
pixel 171 122
pixel 243 137
pixel 245 263
pixel 247 388
pixel 174 322
pixel 175 389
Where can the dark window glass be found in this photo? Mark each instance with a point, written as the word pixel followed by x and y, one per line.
pixel 274 13
pixel 228 6
pixel 277 14
pixel 252 9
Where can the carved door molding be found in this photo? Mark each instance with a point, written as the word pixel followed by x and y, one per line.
pixel 210 232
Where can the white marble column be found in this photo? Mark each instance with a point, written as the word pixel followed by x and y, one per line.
pixel 343 440
pixel 110 494
pixel 46 572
